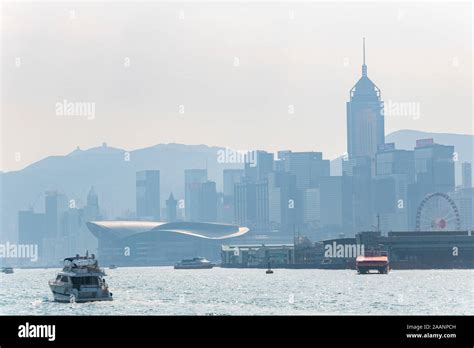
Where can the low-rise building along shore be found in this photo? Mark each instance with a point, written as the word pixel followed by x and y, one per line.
pixel 406 250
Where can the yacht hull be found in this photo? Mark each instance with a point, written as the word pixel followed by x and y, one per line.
pixel 65 295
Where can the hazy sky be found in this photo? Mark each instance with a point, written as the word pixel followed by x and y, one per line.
pixel 234 68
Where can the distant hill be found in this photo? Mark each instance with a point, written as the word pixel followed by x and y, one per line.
pixel 114 177
pixel 406 140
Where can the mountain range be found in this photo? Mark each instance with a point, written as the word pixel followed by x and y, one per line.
pixel 112 173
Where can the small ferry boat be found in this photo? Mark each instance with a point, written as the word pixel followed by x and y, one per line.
pixel 373 262
pixel 196 263
pixel 112 267
pixel 7 270
pixel 81 280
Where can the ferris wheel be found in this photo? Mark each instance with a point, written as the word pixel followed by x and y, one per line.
pixel 438 212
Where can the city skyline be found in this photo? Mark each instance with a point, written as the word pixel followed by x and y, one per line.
pixel 324 198
pixel 290 189
pixel 162 160
pixel 305 78
pixel 382 189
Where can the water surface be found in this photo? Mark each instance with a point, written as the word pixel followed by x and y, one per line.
pixel 219 291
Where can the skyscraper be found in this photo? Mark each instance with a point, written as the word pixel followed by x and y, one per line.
pixel 434 172
pixel 336 205
pixel 92 210
pixel 434 166
pixel 392 161
pixel 207 202
pixel 307 167
pixel 231 177
pixel 464 198
pixel 245 202
pixel 30 227
pixel 312 207
pixel 466 175
pixel 148 194
pixel 55 206
pixel 260 167
pixel 193 178
pixel 251 203
pixel 92 198
pixel 359 171
pixel 285 201
pixel 365 135
pixel 365 121
pixel 171 208
pixel 395 173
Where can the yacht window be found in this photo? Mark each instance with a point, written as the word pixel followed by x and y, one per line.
pixel 93 281
pixel 89 281
pixel 64 279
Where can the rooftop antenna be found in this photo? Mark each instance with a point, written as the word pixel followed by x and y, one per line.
pixel 363 44
pixel 364 67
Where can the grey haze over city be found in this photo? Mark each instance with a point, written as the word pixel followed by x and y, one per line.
pixel 267 76
pixel 123 111
pixel 237 157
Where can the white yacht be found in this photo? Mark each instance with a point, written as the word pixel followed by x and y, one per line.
pixel 81 280
pixel 196 263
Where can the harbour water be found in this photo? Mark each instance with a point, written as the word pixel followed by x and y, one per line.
pixel 218 291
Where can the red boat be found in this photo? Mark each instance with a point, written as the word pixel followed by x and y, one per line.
pixel 365 264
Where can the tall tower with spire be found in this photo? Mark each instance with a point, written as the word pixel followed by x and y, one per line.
pixel 92 198
pixel 365 121
pixel 92 210
pixel 171 208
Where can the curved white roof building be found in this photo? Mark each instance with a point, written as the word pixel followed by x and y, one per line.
pixel 154 243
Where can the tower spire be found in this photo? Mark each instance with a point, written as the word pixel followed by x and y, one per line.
pixel 364 67
pixel 363 47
